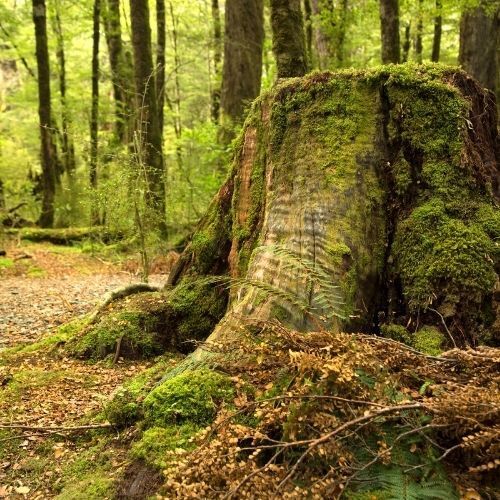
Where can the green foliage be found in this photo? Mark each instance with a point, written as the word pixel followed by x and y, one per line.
pixel 428 340
pixel 6 263
pixel 156 442
pixel 396 332
pixel 192 397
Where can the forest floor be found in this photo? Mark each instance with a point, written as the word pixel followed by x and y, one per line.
pixel 43 286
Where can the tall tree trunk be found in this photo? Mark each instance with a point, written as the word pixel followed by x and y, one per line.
pixel 160 59
pixel 438 28
pixel 48 151
pixel 94 112
pixel 217 51
pixel 289 45
pixel 406 43
pixel 478 44
pixel 121 71
pixel 322 38
pixel 389 24
pixel 341 34
pixel 67 146
pixel 418 36
pixel 309 30
pixel 242 68
pixel 176 104
pixel 148 142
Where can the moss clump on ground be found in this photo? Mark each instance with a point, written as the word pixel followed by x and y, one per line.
pixel 125 406
pixel 134 331
pixel 191 397
pixel 428 340
pixel 156 442
pixel 149 324
pixel 6 263
pixel 396 332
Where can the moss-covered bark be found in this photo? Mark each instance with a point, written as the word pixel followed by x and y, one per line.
pixel 386 181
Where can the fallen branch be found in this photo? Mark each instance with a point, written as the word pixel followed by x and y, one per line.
pixel 55 428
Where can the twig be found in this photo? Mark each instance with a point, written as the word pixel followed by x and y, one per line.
pixel 313 443
pixel 444 324
pixel 118 348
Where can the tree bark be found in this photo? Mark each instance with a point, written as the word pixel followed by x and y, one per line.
pixel 389 23
pixel 217 60
pixel 48 151
pixel 418 36
pixel 94 111
pixel 317 201
pixel 289 44
pixel 242 68
pixel 309 29
pixel 121 71
pixel 148 141
pixel 322 40
pixel 406 43
pixel 478 44
pixel 438 27
pixel 66 143
pixel 160 59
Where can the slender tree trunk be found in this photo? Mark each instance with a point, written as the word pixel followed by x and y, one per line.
pixel 217 51
pixel 309 29
pixel 48 151
pixel 406 43
pixel 389 23
pixel 341 35
pixel 289 45
pixel 94 113
pixel 322 38
pixel 148 134
pixel 121 71
pixel 177 87
pixel 418 37
pixel 67 146
pixel 478 44
pixel 438 28
pixel 160 59
pixel 242 69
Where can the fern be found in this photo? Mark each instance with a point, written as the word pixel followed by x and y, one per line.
pixel 326 295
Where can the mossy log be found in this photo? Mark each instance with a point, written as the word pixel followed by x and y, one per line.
pixel 64 236
pixel 387 180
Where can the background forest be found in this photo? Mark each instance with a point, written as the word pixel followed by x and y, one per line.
pixel 298 200
pixel 94 103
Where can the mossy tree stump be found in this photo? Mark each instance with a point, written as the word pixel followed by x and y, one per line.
pixel 387 180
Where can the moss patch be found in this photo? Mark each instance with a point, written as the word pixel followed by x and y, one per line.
pixel 149 324
pixel 428 340
pixel 190 397
pixel 156 442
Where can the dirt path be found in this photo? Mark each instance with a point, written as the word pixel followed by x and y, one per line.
pixel 43 286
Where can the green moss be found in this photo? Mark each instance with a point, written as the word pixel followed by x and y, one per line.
pixel 6 263
pixel 396 332
pixel 428 340
pixel 156 442
pixel 135 329
pixel 124 409
pixel 443 256
pixel 189 397
pixel 91 487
